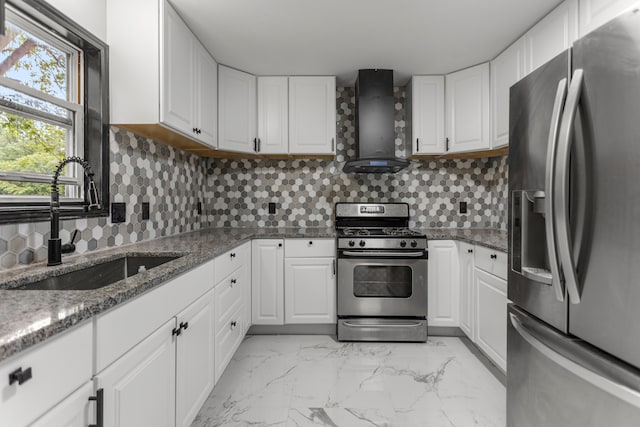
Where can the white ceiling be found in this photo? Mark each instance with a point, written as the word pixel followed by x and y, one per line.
pixel 338 37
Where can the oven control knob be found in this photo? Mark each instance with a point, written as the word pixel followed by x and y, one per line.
pixel 361 243
pixel 414 243
pixel 403 243
pixel 352 243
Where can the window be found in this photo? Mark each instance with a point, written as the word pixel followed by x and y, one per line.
pixel 53 104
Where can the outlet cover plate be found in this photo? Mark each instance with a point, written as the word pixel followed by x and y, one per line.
pixel 145 210
pixel 118 212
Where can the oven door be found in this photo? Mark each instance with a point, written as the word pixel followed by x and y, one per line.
pixel 376 284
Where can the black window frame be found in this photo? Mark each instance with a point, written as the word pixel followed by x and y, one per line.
pixel 96 114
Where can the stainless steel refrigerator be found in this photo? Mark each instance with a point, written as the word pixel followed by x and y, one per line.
pixel 573 341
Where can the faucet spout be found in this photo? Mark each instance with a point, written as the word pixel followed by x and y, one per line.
pixel 55 244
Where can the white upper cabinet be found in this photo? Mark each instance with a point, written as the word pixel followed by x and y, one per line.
pixel 206 98
pixel 468 109
pixel 155 61
pixel 552 35
pixel 594 13
pixel 273 115
pixel 236 110
pixel 312 115
pixel 425 110
pixel 506 70
pixel 177 91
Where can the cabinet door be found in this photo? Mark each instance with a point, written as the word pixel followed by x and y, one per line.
pixel 75 411
pixel 467 323
pixel 491 316
pixel 506 70
pixel 140 387
pixel 427 114
pixel 177 89
pixel 273 115
pixel 594 13
pixel 206 96
pixel 246 290
pixel 468 109
pixel 236 110
pixel 310 290
pixel 552 35
pixel 267 282
pixel 443 283
pixel 195 358
pixel 312 115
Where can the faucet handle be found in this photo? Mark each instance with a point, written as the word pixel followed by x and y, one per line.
pixel 70 247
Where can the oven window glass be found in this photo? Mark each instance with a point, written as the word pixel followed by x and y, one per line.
pixel 382 281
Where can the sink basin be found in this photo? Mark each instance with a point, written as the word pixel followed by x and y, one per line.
pixel 100 275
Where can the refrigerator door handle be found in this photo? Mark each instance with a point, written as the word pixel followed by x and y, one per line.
pixel 620 391
pixel 561 199
pixel 549 188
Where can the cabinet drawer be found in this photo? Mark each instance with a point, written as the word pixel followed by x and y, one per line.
pixel 309 248
pixel 491 261
pixel 229 261
pixel 58 367
pixel 228 338
pixel 228 296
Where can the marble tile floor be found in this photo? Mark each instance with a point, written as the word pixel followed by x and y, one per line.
pixel 313 380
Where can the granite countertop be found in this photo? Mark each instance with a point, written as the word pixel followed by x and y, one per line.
pixel 28 317
pixel 494 239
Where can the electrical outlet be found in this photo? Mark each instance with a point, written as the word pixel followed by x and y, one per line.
pixel 272 208
pixel 463 207
pixel 145 210
pixel 118 212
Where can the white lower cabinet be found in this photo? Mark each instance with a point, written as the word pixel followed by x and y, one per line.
pixel 267 282
pixel 467 302
pixel 140 387
pixel 491 316
pixel 195 371
pixel 310 290
pixel 443 303
pixel 75 411
pixel 35 381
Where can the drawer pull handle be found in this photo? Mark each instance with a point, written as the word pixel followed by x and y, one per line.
pixel 233 282
pixel 184 325
pixel 310 242
pixel 176 331
pixel 19 376
pixel 494 256
pixel 470 251
pixel 99 399
pixel 233 325
pixel 233 254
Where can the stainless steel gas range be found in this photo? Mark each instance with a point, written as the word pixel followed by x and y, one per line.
pixel 382 274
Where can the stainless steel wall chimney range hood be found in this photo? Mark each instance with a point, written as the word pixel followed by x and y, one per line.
pixel 375 127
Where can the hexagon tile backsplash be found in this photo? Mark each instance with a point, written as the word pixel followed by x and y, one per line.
pixel 236 193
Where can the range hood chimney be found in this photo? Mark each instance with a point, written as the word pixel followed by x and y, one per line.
pixel 375 126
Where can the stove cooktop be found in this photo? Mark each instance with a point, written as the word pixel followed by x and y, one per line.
pixel 388 232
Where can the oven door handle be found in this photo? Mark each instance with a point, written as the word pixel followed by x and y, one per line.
pixel 384 325
pixel 383 254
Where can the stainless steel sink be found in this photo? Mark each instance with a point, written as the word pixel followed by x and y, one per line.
pixel 100 275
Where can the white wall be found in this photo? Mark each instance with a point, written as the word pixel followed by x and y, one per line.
pixel 91 14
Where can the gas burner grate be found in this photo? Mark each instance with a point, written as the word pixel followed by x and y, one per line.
pixel 356 232
pixel 400 232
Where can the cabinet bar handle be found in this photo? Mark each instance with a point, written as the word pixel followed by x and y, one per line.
pixel 417 145
pixel 470 251
pixel 446 141
pixel 259 145
pixel 176 331
pixel 233 254
pixel 99 399
pixel 255 145
pixel 184 325
pixel 494 256
pixel 19 376
pixel 332 145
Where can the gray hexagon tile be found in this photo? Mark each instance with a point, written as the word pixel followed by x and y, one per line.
pixel 236 193
pixel 305 191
